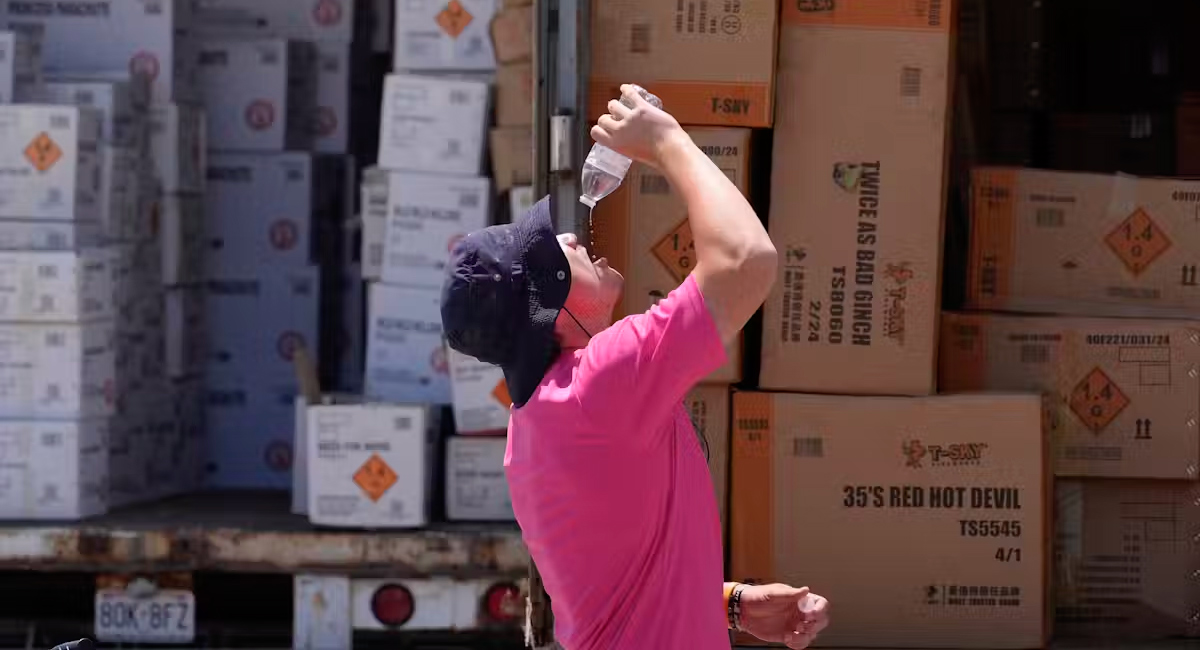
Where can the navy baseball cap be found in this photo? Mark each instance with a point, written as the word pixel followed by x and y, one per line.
pixel 505 286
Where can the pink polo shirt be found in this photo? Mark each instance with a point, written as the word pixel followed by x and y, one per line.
pixel 612 490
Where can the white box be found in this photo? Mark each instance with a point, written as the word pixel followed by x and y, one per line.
pixel 178 142
pixel 433 125
pixel 520 201
pixel 57 371
pixel 258 211
pixel 437 35
pixel 182 236
pixel 186 340
pixel 427 215
pixel 248 435
pixel 53 470
pixel 57 286
pixel 406 358
pixel 49 162
pixel 259 95
pixel 331 119
pixel 319 20
pixel 119 177
pixel 122 105
pixel 373 197
pixel 476 488
pixel 20 66
pixel 143 36
pixel 368 465
pixel 481 400
pixel 300 445
pixel 284 306
pixel 26 234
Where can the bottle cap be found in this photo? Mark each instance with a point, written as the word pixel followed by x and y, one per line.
pixel 587 200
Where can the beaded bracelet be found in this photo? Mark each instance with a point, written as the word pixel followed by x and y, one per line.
pixel 735 608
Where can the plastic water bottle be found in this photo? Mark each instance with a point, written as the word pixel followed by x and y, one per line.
pixel 604 169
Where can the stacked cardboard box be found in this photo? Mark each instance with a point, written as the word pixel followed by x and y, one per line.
pixel 927 532
pixel 1102 268
pixel 276 85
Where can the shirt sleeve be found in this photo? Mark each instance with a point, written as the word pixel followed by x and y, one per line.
pixel 635 372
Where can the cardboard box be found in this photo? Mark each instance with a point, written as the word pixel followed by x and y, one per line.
pixel 930 533
pixel 481 399
pixel 29 234
pixel 433 125
pixel 20 66
pixel 513 34
pixel 512 156
pixel 427 215
pixel 259 95
pixel 53 470
pixel 374 202
pixel 1083 244
pixel 259 210
pixel 520 200
pixel 63 371
pixel 476 488
pixel 1127 559
pixel 182 237
pixel 186 338
pixel 148 37
pixel 122 105
pixel 1121 394
pixel 857 197
pixel 57 286
pixel 433 35
pixel 406 357
pixel 178 142
pixel 331 119
pixel 708 407
pixel 515 84
pixel 368 465
pixel 49 163
pixel 248 434
pixel 643 230
pixel 284 305
pixel 322 21
pixel 711 63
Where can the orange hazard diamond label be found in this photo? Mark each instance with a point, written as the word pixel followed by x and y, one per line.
pixel 43 152
pixel 1097 400
pixel 500 393
pixel 454 19
pixel 375 477
pixel 677 251
pixel 1138 241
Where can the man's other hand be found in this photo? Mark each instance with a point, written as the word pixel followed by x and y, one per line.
pixel 782 614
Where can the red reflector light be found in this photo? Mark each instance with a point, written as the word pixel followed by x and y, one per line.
pixel 503 603
pixel 392 605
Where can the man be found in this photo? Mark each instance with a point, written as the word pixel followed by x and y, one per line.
pixel 608 480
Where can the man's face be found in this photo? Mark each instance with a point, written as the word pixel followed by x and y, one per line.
pixel 595 286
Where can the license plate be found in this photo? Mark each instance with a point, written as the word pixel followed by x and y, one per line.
pixel 166 616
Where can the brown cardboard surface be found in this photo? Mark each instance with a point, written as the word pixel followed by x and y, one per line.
pixel 712 63
pixel 1123 395
pixel 857 193
pixel 512 34
pixel 512 156
pixel 642 229
pixel 922 520
pixel 514 94
pixel 1127 557
pixel 708 406
pixel 1084 244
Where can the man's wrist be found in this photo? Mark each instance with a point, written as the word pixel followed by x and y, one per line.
pixel 733 604
pixel 673 147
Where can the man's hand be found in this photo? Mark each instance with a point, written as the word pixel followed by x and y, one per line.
pixel 643 133
pixel 782 614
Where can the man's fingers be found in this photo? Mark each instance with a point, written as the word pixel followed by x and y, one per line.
pixel 600 135
pixel 800 640
pixel 633 97
pixel 618 110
